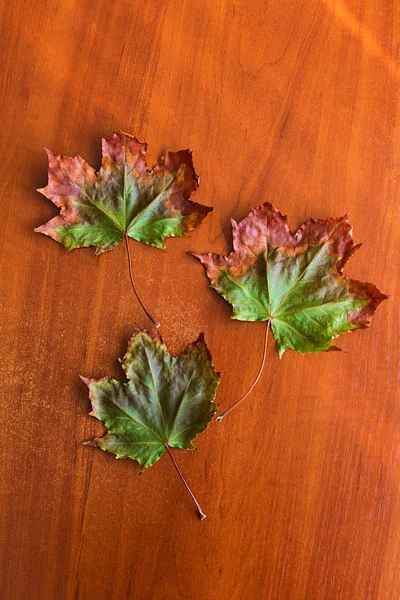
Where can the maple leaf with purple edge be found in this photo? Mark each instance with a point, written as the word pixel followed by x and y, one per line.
pixel 293 281
pixel 125 199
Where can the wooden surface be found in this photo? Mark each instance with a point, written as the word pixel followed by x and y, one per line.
pixel 289 101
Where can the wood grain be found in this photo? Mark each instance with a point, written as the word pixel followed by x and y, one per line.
pixel 289 101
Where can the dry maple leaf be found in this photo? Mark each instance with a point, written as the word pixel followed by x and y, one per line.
pixel 166 402
pixel 125 199
pixel 293 281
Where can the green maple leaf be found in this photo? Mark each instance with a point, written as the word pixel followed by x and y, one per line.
pixel 166 402
pixel 125 199
pixel 293 281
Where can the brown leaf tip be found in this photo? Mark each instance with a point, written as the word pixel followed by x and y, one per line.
pixel 201 342
pixel 154 335
pixel 88 381
pixel 368 291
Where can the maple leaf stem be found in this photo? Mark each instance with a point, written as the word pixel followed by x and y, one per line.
pixel 156 323
pixel 202 516
pixel 253 385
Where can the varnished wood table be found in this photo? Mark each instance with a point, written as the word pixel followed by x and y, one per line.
pixel 289 101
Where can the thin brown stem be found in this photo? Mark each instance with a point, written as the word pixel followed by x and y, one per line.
pixel 202 516
pixel 156 323
pixel 253 385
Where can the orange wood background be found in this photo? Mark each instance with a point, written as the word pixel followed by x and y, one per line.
pixel 289 101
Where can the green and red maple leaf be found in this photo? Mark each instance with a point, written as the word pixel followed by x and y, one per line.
pixel 125 198
pixel 294 281
pixel 166 402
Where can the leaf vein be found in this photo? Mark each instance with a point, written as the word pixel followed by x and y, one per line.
pixel 133 418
